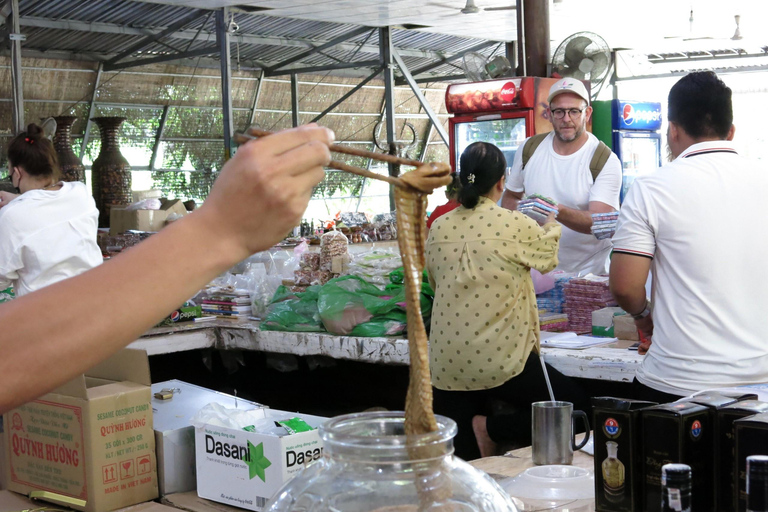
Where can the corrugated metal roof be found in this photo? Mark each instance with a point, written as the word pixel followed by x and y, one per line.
pixel 100 28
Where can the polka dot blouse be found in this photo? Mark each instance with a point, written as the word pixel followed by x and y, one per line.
pixel 484 318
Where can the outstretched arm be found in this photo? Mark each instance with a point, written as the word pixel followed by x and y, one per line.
pixel 50 336
pixel 581 220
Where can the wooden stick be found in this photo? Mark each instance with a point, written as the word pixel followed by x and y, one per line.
pixel 335 164
pixel 336 148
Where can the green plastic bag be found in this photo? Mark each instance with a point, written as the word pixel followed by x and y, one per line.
pixel 349 305
pixel 6 295
pixel 292 311
pixel 397 277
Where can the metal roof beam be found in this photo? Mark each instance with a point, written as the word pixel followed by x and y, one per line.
pixel 208 50
pixel 446 60
pixel 347 95
pixel 317 69
pixel 333 42
pixel 111 28
pixel 151 39
pixel 420 96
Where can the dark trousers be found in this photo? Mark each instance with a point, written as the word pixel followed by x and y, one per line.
pixel 513 426
pixel 642 392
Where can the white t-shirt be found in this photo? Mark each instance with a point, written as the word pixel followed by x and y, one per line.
pixel 702 220
pixel 47 236
pixel 568 180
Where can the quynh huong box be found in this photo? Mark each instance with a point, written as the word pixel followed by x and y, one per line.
pixel 726 448
pixel 618 463
pixel 680 432
pixel 245 469
pixel 751 439
pixel 174 403
pixel 88 445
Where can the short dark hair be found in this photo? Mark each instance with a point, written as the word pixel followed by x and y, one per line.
pixel 701 104
pixel 34 153
pixel 485 163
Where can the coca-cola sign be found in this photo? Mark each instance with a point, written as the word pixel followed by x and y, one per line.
pixel 488 96
pixel 507 93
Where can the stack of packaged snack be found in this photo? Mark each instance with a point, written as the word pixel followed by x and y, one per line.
pixel 553 321
pixel 604 224
pixel 309 272
pixel 552 301
pixel 537 207
pixel 231 304
pixel 582 297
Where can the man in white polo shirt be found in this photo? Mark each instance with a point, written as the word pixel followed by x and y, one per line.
pixel 560 168
pixel 699 225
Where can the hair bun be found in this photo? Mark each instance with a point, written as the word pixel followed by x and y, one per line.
pixel 33 130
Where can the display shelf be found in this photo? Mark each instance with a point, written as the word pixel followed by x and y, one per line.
pixel 609 362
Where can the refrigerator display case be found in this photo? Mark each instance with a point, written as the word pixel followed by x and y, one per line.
pixel 633 133
pixel 504 112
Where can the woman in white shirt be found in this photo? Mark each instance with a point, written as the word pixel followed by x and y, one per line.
pixel 47 230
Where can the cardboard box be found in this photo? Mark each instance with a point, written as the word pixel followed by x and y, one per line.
pixel 751 439
pixel 175 435
pixel 617 421
pixel 244 469
pixel 140 195
pixel 716 401
pixel 602 321
pixel 624 328
pixel 726 447
pixel 680 432
pixel 123 219
pixel 89 444
pixel 2 457
pixel 12 502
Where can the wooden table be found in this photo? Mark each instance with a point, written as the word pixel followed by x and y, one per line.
pixel 516 461
pixel 608 362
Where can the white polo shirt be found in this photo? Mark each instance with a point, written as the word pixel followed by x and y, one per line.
pixel 701 219
pixel 568 180
pixel 47 236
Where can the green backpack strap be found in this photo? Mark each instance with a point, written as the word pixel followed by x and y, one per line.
pixel 599 157
pixel 530 145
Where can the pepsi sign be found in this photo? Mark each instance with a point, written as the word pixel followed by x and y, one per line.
pixel 636 115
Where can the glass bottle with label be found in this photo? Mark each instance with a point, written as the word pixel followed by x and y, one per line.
pixel 757 483
pixel 613 474
pixel 676 488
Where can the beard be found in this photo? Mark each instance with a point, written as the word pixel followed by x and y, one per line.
pixel 578 132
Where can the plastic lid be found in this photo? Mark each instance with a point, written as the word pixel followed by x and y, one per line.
pixel 674 474
pixel 553 482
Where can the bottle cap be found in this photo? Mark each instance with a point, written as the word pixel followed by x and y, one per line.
pixel 674 474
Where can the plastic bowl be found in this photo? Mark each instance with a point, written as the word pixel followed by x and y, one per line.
pixel 553 483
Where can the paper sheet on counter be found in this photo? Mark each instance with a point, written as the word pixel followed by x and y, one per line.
pixel 572 340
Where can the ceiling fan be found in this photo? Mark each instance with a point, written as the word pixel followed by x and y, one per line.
pixel 472 8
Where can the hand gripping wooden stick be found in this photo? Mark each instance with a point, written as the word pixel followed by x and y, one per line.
pixel 335 164
pixel 412 189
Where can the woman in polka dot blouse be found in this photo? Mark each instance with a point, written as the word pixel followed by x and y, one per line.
pixel 484 335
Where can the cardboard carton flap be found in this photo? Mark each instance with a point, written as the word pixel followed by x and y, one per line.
pixel 128 364
pixel 75 388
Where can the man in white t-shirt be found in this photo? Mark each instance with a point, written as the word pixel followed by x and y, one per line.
pixel 559 169
pixel 699 225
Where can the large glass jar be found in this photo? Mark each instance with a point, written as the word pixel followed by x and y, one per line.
pixel 368 466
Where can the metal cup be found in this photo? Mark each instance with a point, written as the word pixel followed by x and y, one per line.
pixel 554 438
